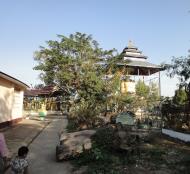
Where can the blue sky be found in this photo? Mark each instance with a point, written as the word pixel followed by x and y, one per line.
pixel 160 28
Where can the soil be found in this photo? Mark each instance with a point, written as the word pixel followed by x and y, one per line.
pixel 160 154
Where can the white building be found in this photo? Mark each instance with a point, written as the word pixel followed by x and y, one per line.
pixel 11 99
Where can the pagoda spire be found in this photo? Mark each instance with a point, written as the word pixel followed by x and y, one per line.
pixel 130 43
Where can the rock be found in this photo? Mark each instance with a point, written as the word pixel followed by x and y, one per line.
pixel 77 135
pixel 72 144
pixel 87 145
pixel 119 138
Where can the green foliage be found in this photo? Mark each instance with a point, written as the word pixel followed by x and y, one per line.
pixel 72 125
pixel 147 96
pixel 39 86
pixel 126 101
pixel 97 153
pixel 72 64
pixel 101 158
pixel 174 115
pixel 158 154
pixel 63 62
pixel 153 92
pixel 142 90
pixel 84 115
pixel 104 138
pixel 114 84
pixel 180 97
pixel 180 67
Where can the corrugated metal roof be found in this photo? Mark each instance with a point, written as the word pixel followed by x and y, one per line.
pixel 42 91
pixel 50 90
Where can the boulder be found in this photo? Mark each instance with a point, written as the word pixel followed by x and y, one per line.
pixel 72 144
pixel 127 139
pixel 118 138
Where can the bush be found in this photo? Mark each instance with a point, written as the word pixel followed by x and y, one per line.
pixel 175 116
pixel 104 138
pixel 72 125
pixel 85 115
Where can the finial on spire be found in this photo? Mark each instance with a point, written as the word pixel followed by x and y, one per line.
pixel 130 43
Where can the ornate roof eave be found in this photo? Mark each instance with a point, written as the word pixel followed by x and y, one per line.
pixel 131 50
pixel 135 56
pixel 139 69
pixel 129 65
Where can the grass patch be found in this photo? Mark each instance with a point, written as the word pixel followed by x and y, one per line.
pixel 101 161
pixel 103 158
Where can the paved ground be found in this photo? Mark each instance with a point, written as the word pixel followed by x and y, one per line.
pixel 42 138
pixel 23 133
pixel 42 150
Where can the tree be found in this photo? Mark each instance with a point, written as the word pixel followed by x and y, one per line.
pixel 147 98
pixel 39 86
pixel 153 96
pixel 180 97
pixel 142 90
pixel 180 67
pixel 73 65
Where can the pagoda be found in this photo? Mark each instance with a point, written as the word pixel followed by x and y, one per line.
pixel 135 63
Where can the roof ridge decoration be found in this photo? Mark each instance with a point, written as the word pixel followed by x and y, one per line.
pixel 132 52
pixel 130 43
pixel 136 62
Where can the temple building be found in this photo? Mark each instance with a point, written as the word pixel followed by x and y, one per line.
pixel 48 96
pixel 11 99
pixel 134 64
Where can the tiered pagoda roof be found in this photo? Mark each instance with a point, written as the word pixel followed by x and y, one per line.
pixel 136 62
pixel 132 51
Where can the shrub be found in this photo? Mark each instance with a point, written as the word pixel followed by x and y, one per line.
pixel 104 138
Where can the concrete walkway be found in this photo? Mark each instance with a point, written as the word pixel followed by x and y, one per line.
pixel 23 133
pixel 42 150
